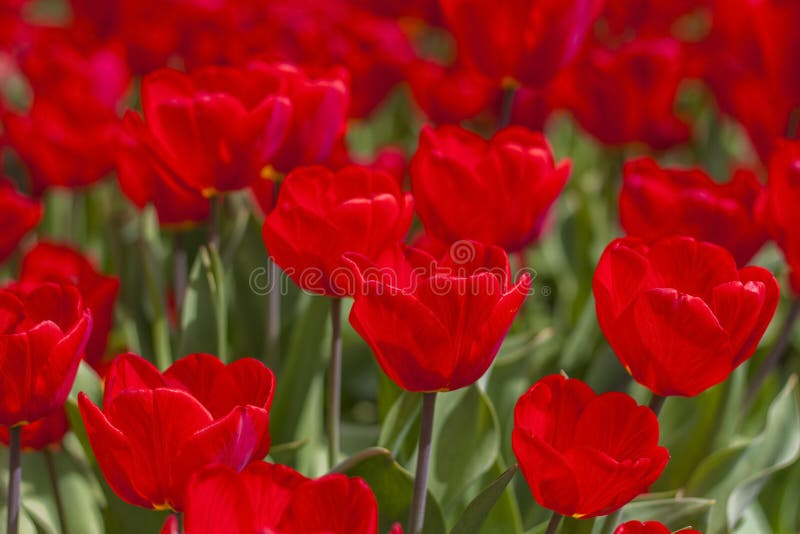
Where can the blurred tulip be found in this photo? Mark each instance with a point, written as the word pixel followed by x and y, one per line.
pixel 782 200
pixel 42 433
pixel 527 41
pixel 49 262
pixel 659 202
pixel 497 192
pixel 649 527
pixel 626 95
pixel 156 430
pixel 273 498
pixel 437 328
pixel 18 216
pixel 320 215
pixel 678 313
pixel 585 455
pixel 43 331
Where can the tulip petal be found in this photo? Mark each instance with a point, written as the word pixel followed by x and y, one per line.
pixel 333 504
pixel 217 502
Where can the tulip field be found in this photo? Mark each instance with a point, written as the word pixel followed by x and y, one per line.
pixel 385 267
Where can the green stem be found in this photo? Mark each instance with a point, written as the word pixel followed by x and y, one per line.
pixel 51 473
pixel 552 526
pixel 416 517
pixel 14 479
pixel 507 107
pixel 272 359
pixel 656 403
pixel 335 382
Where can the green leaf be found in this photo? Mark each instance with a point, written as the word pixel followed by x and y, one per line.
pixel 734 476
pixel 478 510
pixel 400 429
pixel 200 320
pixel 466 441
pixel 304 360
pixel 393 487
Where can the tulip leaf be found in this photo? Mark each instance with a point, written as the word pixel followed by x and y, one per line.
pixel 198 319
pixel 304 359
pixel 477 512
pixel 400 428
pixel 218 285
pixel 734 476
pixel 466 441
pixel 393 487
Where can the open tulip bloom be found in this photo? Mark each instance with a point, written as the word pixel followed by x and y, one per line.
pixel 156 430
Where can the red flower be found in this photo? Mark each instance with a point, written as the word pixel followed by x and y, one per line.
pixel 437 327
pixel 626 95
pixel 496 192
pixel 145 179
pixel 657 202
pixel 450 95
pixel 45 432
pixel 18 216
pixel 585 455
pixel 678 313
pixel 43 331
pixel 273 498
pixel 214 129
pixel 320 215
pixel 156 430
pixel 526 40
pixel 66 138
pixel 781 213
pixel 649 527
pixel 48 262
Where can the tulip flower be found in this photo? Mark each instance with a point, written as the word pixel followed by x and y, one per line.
pixel 18 216
pixel 649 527
pixel 496 192
pixel 780 211
pixel 49 262
pixel 320 215
pixel 440 328
pixel 583 454
pixel 527 41
pixel 156 430
pixel 44 329
pixel 274 498
pixel 678 313
pixel 657 202
pixel 626 95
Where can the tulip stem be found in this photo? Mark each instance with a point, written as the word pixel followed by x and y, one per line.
pixel 179 522
pixel 507 107
pixel 335 382
pixel 273 315
pixel 51 473
pixel 14 478
pixel 416 516
pixel 552 526
pixel 774 357
pixel 656 403
pixel 214 217
pixel 179 265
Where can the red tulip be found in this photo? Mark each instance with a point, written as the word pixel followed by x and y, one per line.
pixel 18 216
pixel 156 430
pixel 648 18
pixel 585 455
pixel 42 433
pixel 43 331
pixel 496 192
pixel 320 215
pixel 678 313
pixel 781 213
pixel 145 179
pixel 649 527
pixel 214 129
pixel 526 40
pixel 48 262
pixel 450 95
pixel 273 498
pixel 657 202
pixel 437 327
pixel 626 95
